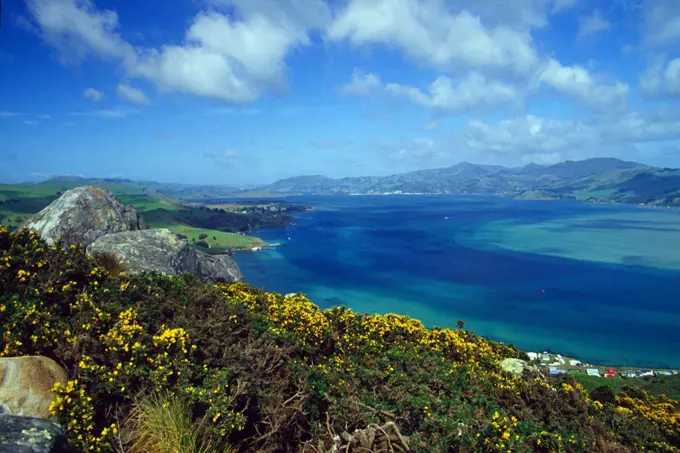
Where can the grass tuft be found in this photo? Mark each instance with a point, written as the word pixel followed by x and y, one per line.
pixel 111 263
pixel 163 423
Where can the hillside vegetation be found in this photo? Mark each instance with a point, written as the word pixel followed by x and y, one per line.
pixel 259 372
pixel 19 201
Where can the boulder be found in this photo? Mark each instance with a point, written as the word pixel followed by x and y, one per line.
pixel 160 250
pixel 26 385
pixel 83 214
pixel 31 435
pixel 514 366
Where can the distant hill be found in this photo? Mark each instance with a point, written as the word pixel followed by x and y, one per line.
pixel 597 180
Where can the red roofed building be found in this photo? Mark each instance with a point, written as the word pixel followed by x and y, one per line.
pixel 610 373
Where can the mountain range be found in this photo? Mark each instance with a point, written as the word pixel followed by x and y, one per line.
pixel 597 180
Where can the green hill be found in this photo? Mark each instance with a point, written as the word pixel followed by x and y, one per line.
pixel 258 372
pixel 19 201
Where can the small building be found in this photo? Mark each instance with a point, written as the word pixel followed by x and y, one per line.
pixel 664 373
pixel 610 373
pixel 574 362
pixel 593 372
pixel 555 371
pixel 532 355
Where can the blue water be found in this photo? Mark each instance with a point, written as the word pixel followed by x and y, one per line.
pixel 422 256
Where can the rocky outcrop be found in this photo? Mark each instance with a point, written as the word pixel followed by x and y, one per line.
pixel 162 251
pixel 26 385
pixel 82 215
pixel 31 435
pixel 514 366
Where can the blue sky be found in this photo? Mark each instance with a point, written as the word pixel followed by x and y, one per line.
pixel 249 91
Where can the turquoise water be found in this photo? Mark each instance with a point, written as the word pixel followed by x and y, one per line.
pixel 598 282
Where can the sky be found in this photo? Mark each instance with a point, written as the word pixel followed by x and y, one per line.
pixel 239 92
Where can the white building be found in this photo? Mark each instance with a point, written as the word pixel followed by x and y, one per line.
pixel 593 372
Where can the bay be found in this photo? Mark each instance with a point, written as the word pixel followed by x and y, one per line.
pixel 598 282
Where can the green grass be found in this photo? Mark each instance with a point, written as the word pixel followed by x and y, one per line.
pixel 158 210
pixel 219 241
pixel 667 385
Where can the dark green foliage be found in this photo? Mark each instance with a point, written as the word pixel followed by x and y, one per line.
pixel 202 236
pixel 277 374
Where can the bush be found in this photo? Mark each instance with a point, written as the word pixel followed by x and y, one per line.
pixel 268 373
pixel 202 236
pixel 203 244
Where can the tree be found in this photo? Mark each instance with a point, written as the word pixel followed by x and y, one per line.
pixel 202 236
pixel 460 324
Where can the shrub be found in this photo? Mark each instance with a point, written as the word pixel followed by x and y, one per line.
pixel 203 244
pixel 202 236
pixel 268 373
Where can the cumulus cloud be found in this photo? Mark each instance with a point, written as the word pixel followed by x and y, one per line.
pixel 662 78
pixel 224 58
pixel 77 29
pixel 420 149
pixel 362 84
pixel 132 94
pixel 92 94
pixel 672 77
pixel 531 134
pixel 563 5
pixel 432 33
pixel 660 22
pixel 592 24
pixel 577 82
pixel 444 94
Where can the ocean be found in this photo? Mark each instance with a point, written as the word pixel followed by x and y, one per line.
pixel 599 282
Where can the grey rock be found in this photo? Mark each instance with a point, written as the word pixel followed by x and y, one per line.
pixel 82 215
pixel 514 366
pixel 31 435
pixel 160 250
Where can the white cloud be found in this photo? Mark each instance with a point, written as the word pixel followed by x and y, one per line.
pixel 222 58
pixel 660 22
pixel 577 82
pixel 433 34
pixel 76 29
pixel 672 77
pixel 419 149
pixel 531 134
pixel 661 78
pixel 363 84
pixel 594 23
pixel 563 5
pixel 107 113
pixel 31 123
pixel 235 111
pixel 225 158
pixel 432 125
pixel 444 94
pixel 92 94
pixel 132 94
pixel 5 114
